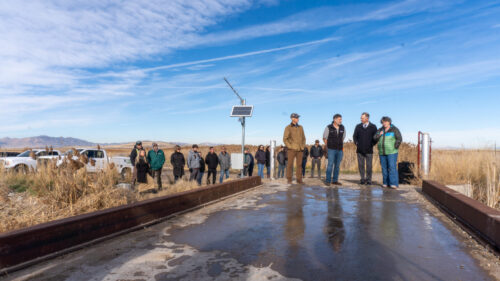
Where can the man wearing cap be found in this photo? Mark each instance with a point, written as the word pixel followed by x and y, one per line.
pixel 156 159
pixel 295 140
pixel 194 163
pixel 334 136
pixel 133 156
pixel 178 162
pixel 316 152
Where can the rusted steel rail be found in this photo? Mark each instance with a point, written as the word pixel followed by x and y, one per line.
pixel 23 247
pixel 481 219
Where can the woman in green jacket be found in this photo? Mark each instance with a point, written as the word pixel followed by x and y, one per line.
pixel 389 139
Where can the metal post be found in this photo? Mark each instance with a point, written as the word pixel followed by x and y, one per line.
pixel 273 159
pixel 243 144
pixel 426 152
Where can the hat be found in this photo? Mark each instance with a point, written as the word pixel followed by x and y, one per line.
pixel 138 143
pixel 294 115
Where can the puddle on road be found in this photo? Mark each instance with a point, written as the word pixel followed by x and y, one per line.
pixel 313 233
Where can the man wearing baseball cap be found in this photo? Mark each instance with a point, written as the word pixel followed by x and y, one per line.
pixel 295 140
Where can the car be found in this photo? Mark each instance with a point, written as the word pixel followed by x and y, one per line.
pixel 8 154
pixel 27 160
pixel 98 159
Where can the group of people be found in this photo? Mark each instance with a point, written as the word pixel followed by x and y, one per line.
pixel 366 135
pixel 152 163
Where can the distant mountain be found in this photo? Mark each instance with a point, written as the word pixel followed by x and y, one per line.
pixel 42 141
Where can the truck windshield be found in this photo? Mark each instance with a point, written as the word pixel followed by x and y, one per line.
pixel 24 154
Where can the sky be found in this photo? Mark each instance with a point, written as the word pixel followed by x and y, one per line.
pixel 119 71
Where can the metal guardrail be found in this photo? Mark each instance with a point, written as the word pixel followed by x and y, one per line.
pixel 24 247
pixel 484 221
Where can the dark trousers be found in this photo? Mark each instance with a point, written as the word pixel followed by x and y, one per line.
pixel 365 166
pixel 316 162
pixel 194 174
pixel 213 173
pixel 304 163
pixel 297 155
pixel 157 178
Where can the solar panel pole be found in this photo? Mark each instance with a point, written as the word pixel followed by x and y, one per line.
pixel 242 120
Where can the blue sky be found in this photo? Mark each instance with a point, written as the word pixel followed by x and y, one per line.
pixel 112 72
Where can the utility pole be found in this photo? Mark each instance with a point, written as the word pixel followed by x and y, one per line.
pixel 242 121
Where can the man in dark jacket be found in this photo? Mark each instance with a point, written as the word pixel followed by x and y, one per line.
pixel 334 136
pixel 305 154
pixel 133 156
pixel 316 152
pixel 363 138
pixel 251 165
pixel 212 162
pixel 281 162
pixel 178 162
pixel 156 159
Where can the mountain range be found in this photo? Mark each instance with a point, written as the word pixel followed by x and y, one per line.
pixel 47 141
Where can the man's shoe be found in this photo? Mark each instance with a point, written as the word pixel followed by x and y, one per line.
pixel 327 183
pixel 362 182
pixel 300 182
pixel 289 182
pixel 368 182
pixel 337 183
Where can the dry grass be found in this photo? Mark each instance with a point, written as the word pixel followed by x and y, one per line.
pixel 53 193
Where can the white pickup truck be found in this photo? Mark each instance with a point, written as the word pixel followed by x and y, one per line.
pixel 24 162
pixel 98 159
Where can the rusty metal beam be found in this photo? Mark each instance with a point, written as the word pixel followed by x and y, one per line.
pixel 21 247
pixel 483 220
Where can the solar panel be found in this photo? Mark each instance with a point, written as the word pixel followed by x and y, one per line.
pixel 242 111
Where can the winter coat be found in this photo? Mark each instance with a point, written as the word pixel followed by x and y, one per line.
pixel 142 167
pixel 133 155
pixel 268 158
pixel 363 138
pixel 260 156
pixel 388 142
pixel 248 159
pixel 156 159
pixel 281 157
pixel 305 153
pixel 202 165
pixel 224 161
pixel 177 160
pixel 316 152
pixel 193 160
pixel 294 137
pixel 212 161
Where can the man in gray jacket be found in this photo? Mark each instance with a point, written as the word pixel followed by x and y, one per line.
pixel 225 164
pixel 194 162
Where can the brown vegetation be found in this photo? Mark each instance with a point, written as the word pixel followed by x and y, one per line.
pixel 52 193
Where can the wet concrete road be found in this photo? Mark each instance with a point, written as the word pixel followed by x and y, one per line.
pixel 277 232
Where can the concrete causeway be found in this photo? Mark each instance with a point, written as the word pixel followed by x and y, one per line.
pixel 289 232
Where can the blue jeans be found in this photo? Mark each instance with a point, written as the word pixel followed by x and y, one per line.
pixel 222 173
pixel 200 177
pixel 260 172
pixel 281 171
pixel 389 170
pixel 334 158
pixel 304 163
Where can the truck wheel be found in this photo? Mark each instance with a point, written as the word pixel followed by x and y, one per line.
pixel 21 169
pixel 126 174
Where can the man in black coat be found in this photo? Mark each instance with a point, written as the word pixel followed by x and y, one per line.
pixel 178 162
pixel 316 152
pixel 212 162
pixel 133 155
pixel 363 138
